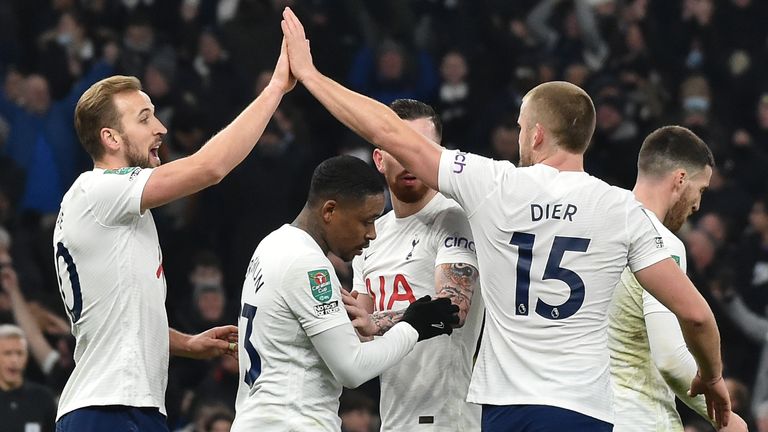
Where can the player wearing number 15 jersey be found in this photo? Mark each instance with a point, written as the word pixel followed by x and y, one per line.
pixel 297 346
pixel 551 243
pixel 424 246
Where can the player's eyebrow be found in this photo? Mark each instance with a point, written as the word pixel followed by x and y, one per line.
pixel 145 109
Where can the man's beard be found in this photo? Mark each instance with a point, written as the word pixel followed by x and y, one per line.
pixel 407 194
pixel 677 215
pixel 134 157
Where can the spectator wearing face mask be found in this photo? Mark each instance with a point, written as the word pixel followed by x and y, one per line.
pixel 208 305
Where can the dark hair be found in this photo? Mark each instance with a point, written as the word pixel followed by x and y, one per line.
pixel 672 147
pixel 354 400
pixel 410 109
pixel 566 110
pixel 206 258
pixel 343 178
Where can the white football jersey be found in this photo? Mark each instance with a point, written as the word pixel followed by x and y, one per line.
pixel 111 279
pixel 551 247
pixel 290 293
pixel 427 390
pixel 643 400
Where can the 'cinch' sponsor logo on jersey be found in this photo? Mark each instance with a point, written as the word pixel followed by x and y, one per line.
pixel 459 161
pixel 461 242
pixel 320 284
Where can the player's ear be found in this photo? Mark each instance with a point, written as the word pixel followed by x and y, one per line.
pixel 538 136
pixel 378 159
pixel 327 210
pixel 679 177
pixel 110 139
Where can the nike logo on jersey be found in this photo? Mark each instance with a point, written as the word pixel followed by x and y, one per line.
pixel 439 325
pixel 365 257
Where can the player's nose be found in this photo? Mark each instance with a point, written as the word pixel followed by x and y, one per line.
pixel 371 233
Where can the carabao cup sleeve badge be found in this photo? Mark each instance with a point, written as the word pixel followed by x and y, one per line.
pixel 320 284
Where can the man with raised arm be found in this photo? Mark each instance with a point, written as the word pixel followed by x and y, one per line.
pixel 108 257
pixel 551 242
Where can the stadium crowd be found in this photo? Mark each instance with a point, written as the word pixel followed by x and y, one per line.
pixel 698 63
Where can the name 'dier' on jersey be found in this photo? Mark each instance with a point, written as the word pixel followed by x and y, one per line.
pixel 399 265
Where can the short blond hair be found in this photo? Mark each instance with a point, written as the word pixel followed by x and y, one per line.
pixel 96 110
pixel 566 111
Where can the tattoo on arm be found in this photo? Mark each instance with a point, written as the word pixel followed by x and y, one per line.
pixel 457 281
pixel 384 320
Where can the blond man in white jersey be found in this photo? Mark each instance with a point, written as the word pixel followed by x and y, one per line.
pixel 650 363
pixel 424 246
pixel 109 260
pixel 551 242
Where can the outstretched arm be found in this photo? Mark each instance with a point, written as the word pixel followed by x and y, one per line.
pixel 370 119
pixel 224 151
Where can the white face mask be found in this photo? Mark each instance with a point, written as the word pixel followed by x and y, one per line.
pixel 64 39
pixel 696 103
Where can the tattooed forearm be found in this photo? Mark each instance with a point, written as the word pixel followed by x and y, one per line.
pixel 457 281
pixel 385 320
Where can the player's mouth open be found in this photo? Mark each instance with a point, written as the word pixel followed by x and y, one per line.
pixel 154 152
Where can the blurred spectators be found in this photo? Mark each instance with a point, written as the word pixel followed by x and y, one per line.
pixel 699 63
pixel 24 406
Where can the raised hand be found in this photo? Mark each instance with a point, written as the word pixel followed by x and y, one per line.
pixel 298 46
pixel 282 76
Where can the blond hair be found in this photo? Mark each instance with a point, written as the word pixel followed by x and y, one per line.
pixel 96 110
pixel 566 111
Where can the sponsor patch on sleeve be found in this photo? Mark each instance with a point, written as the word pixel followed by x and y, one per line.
pixel 320 285
pixel 677 259
pixel 123 171
pixel 659 242
pixel 324 309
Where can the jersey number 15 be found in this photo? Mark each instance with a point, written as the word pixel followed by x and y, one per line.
pixel 524 243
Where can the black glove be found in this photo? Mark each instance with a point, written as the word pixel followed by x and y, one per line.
pixel 432 317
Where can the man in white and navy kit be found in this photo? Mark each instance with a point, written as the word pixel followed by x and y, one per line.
pixel 650 363
pixel 109 261
pixel 297 345
pixel 551 243
pixel 424 246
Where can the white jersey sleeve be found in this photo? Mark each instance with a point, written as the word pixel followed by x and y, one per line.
pixel 358 282
pixel 116 198
pixel 455 243
pixel 646 246
pixel 470 179
pixel 308 290
pixel 352 362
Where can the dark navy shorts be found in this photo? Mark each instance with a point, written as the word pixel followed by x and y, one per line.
pixel 113 418
pixel 539 418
